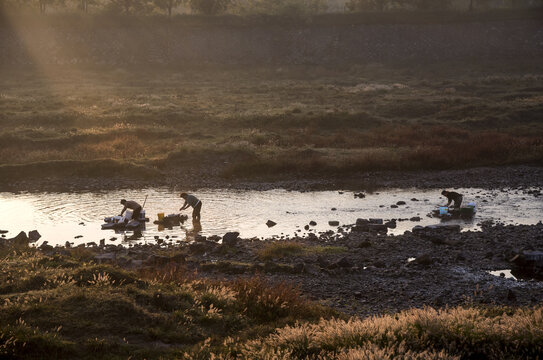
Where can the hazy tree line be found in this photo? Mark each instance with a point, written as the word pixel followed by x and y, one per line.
pixel 254 7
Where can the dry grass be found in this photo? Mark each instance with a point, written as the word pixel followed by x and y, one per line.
pixel 307 120
pixel 456 333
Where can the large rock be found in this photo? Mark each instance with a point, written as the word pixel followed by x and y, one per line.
pixel 20 239
pixel 230 238
pixel 34 236
pixel 271 223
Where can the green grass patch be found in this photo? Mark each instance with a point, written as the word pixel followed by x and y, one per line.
pixel 279 249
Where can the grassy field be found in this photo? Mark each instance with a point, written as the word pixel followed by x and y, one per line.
pixel 261 121
pixel 63 306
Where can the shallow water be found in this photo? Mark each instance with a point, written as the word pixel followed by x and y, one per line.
pixel 61 217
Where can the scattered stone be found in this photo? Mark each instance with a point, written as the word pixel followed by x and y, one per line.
pixel 271 223
pixel 34 235
pixel 391 224
pixel 230 238
pixel 78 236
pixel 82 223
pixel 112 239
pixel 401 203
pixel 359 195
pixel 333 223
pixel 376 221
pixel 3 231
pixel 415 219
pixel 306 227
pixel 199 238
pixel 414 199
pixel 394 206
pixel 380 228
pixel 91 244
pixel 102 242
pixel 333 209
pixel 312 223
pixel 424 260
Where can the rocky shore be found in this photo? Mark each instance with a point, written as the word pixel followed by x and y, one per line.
pixel 358 269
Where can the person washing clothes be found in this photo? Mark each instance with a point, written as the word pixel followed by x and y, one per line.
pixel 453 196
pixel 191 200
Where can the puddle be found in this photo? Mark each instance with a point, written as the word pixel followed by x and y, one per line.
pixel 61 217
pixel 506 274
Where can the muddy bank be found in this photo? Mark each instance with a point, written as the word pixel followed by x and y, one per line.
pixel 356 271
pixel 209 177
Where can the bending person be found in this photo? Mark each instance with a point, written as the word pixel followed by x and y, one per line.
pixel 191 200
pixel 132 205
pixel 453 196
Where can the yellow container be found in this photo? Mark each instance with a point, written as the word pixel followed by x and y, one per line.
pixel 160 216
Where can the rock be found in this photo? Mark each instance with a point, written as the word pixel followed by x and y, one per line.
pixel 103 242
pixel 298 268
pixel 394 206
pixel 78 236
pixel 511 295
pixel 200 238
pixel 357 294
pixel 380 228
pixel 271 223
pixel 3 231
pixel 359 195
pixel 34 235
pixel 418 229
pixel 344 263
pixel 215 238
pixel 20 239
pixel 391 224
pixel 306 227
pixel 112 239
pixel 333 223
pixel 424 259
pixel 197 248
pixel 415 219
pixel 91 244
pixel 230 238
pixel 82 223
pixel 362 222
pixel 376 221
pixel 401 203
pixel 312 223
pixel 160 241
pixel 46 247
pixel 323 263
pixel 67 245
pixel 414 199
pixel 333 209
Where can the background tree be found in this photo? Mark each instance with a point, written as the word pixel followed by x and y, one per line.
pixel 208 7
pixel 167 5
